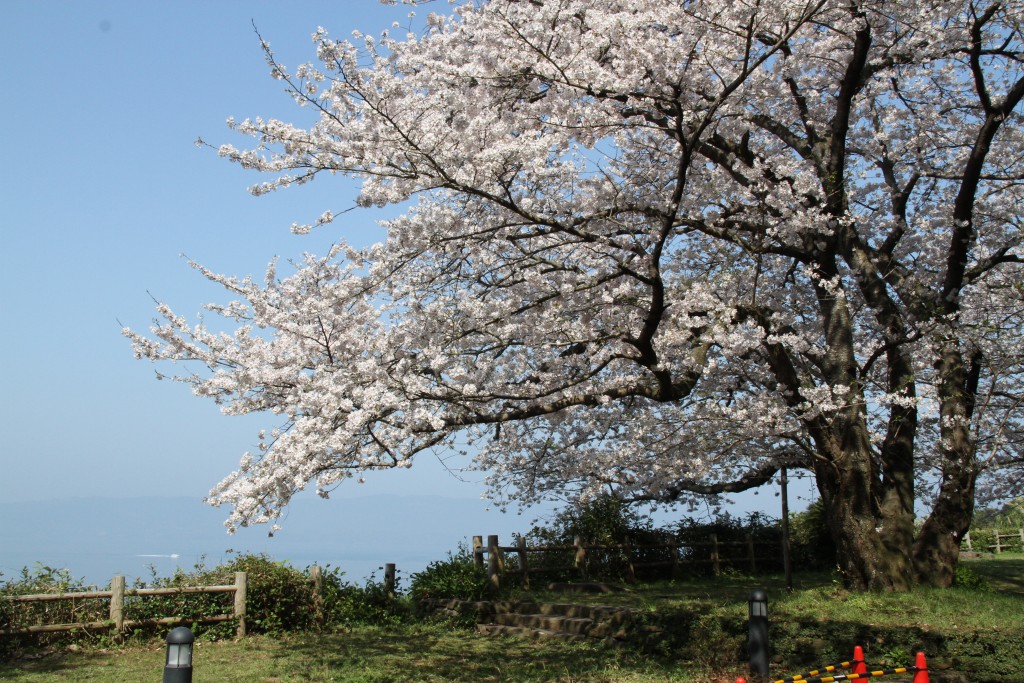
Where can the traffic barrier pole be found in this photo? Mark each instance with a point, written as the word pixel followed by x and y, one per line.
pixel 921 675
pixel 859 665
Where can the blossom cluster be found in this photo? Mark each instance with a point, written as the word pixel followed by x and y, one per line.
pixel 649 246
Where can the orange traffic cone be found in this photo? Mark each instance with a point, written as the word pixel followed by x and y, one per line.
pixel 921 666
pixel 859 665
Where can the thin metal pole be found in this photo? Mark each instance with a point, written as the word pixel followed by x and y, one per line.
pixel 787 560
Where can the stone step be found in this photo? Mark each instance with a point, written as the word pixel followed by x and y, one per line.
pixel 530 633
pixel 571 625
pixel 566 621
pixel 483 609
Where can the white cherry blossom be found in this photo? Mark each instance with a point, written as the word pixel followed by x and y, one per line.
pixel 655 247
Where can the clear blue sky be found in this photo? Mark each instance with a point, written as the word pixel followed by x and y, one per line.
pixel 103 191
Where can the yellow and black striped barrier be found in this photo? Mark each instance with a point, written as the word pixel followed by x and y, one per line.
pixel 850 677
pixel 803 678
pixel 857 664
pixel 860 671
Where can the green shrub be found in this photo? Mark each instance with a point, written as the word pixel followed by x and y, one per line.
pixel 373 603
pixel 965 577
pixel 733 535
pixel 44 579
pixel 190 607
pixel 457 576
pixel 604 521
pixel 280 597
pixel 811 540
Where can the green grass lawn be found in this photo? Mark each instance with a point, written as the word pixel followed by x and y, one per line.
pixel 411 652
pixel 1004 572
pixel 819 619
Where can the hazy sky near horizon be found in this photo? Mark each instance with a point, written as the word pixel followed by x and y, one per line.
pixel 103 192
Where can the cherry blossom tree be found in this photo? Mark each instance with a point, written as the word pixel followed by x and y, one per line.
pixel 655 247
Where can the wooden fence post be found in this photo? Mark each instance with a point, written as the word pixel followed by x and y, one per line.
pixel 493 563
pixel 389 582
pixel 715 563
pixel 750 551
pixel 676 567
pixel 523 566
pixel 117 605
pixel 630 569
pixel 581 556
pixel 999 547
pixel 241 588
pixel 478 555
pixel 316 576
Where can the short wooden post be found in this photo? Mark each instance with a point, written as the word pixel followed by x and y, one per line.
pixel 581 556
pixel 478 551
pixel 493 563
pixel 389 582
pixel 999 547
pixel 1021 530
pixel 523 565
pixel 630 569
pixel 677 572
pixel 241 588
pixel 117 605
pixel 715 563
pixel 750 553
pixel 316 577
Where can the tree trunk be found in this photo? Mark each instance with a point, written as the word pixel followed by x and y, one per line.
pixel 873 553
pixel 937 549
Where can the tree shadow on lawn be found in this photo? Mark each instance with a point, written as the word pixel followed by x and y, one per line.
pixel 67 664
pixel 436 653
pixel 1005 574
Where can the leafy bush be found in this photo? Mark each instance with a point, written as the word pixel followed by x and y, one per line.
pixel 46 580
pixel 190 607
pixel 811 540
pixel 604 521
pixel 280 598
pixel 457 576
pixel 373 603
pixel 1009 516
pixel 965 577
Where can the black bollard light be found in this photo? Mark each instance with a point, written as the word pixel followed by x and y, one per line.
pixel 757 634
pixel 178 668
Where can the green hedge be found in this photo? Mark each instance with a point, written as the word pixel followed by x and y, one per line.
pixel 279 599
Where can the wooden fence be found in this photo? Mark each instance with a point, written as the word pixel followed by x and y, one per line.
pixel 1002 539
pixel 581 551
pixel 116 595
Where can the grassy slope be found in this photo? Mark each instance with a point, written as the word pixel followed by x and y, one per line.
pixel 816 624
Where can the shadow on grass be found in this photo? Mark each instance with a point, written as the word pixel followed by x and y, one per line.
pixel 1004 572
pixel 437 653
pixel 55 664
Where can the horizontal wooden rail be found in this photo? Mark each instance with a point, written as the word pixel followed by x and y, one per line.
pixel 495 554
pixel 1013 536
pixel 117 594
pixel 53 597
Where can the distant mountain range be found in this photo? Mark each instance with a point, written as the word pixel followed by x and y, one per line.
pixel 97 537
